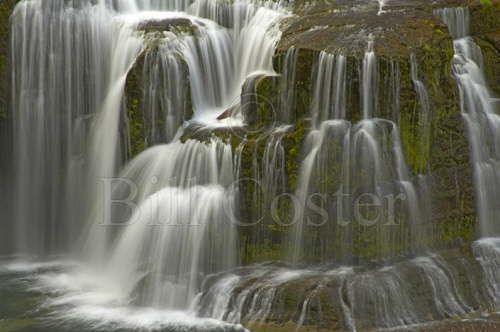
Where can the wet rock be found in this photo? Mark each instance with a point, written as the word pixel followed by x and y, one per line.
pixel 176 25
pixel 485 28
pixel 419 291
pixel 343 27
pixel 156 121
pixel 229 112
pixel 6 8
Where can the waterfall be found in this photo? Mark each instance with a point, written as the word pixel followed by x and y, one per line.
pixel 155 227
pixel 330 88
pixel 381 5
pixel 370 80
pixel 180 232
pixel 287 86
pixel 346 162
pixel 55 109
pixel 220 60
pixel 121 182
pixel 424 103
pixel 481 116
pixel 164 96
pixel 360 299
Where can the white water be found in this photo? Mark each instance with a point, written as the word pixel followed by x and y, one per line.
pixel 68 123
pixel 220 60
pixel 180 229
pixel 487 251
pixel 358 158
pixel 330 89
pixel 72 298
pixel 150 262
pixel 481 114
pixel 54 110
pixel 424 103
pixel 381 4
pixel 370 80
pixel 287 87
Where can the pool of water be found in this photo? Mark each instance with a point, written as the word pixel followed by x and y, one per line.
pixel 56 296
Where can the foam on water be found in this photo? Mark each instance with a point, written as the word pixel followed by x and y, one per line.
pixel 71 296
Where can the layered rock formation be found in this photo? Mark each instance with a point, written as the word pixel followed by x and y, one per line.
pixel 435 145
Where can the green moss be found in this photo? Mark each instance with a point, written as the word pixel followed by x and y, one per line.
pixel 486 3
pixel 491 59
pixel 15 325
pixel 435 145
pixel 134 131
pixel 175 25
pixel 264 252
pixel 293 142
pixel 139 124
pixel 6 8
pixel 485 18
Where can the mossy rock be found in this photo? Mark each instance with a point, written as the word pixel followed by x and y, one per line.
pixel 485 27
pixel 175 25
pixel 137 125
pixel 6 8
pixel 435 145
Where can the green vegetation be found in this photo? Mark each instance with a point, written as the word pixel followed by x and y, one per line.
pixel 487 3
pixel 6 7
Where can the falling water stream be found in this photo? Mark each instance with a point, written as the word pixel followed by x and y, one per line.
pixel 479 110
pixel 68 121
pixel 150 242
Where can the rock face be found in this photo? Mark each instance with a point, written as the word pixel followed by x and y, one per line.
pixel 178 25
pixel 157 92
pixel 267 297
pixel 410 44
pixel 6 8
pixel 484 28
pixel 403 31
pixel 399 35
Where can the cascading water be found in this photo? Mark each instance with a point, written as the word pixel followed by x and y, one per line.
pixel 370 81
pixel 100 44
pixel 360 159
pixel 54 110
pixel 160 244
pixel 481 116
pixel 179 256
pixel 424 103
pixel 180 231
pixel 287 97
pixel 163 71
